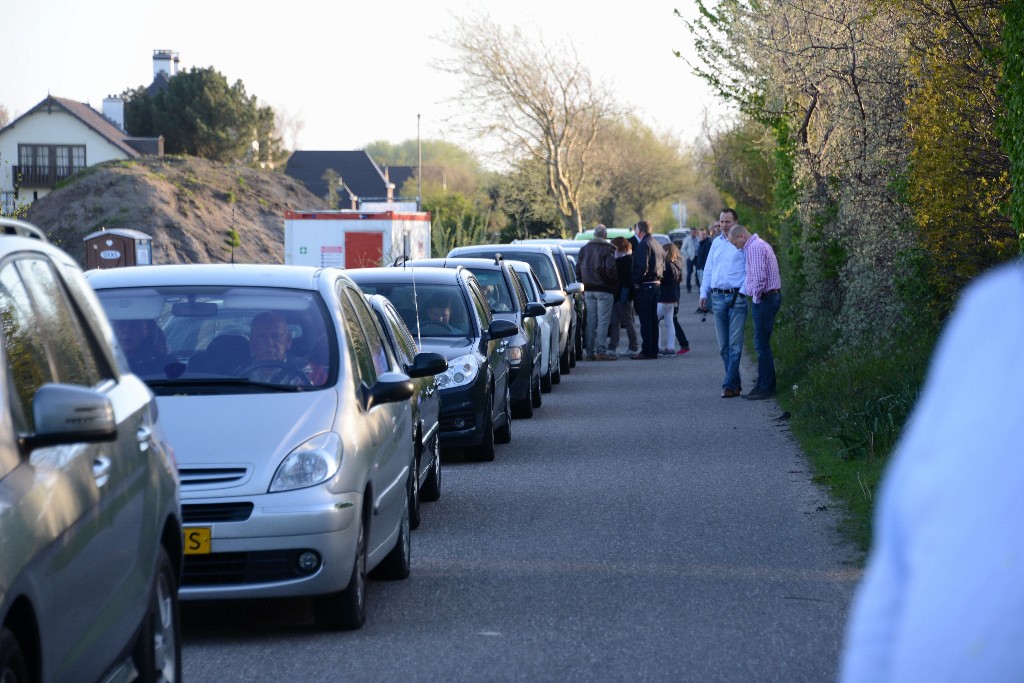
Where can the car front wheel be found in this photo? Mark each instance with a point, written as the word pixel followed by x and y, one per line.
pixel 504 433
pixel 12 660
pixel 484 451
pixel 346 609
pixel 431 490
pixel 397 564
pixel 157 654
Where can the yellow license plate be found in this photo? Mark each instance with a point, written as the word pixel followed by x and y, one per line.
pixel 197 541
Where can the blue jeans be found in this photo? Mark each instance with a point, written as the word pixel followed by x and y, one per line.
pixel 599 315
pixel 764 322
pixel 730 316
pixel 646 304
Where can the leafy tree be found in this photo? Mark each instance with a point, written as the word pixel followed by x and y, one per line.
pixel 453 222
pixel 444 164
pixel 959 181
pixel 538 102
pixel 232 241
pixel 634 169
pixel 522 196
pixel 199 114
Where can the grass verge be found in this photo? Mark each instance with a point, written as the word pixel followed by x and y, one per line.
pixel 847 410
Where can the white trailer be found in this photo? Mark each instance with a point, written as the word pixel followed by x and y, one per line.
pixel 354 239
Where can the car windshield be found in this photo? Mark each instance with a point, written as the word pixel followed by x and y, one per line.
pixel 540 262
pixel 493 283
pixel 428 310
pixel 239 337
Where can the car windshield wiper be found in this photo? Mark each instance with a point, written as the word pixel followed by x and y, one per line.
pixel 209 382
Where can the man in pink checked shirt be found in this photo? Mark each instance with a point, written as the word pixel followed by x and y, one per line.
pixel 764 287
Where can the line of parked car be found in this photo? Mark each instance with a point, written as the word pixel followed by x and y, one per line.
pixel 243 431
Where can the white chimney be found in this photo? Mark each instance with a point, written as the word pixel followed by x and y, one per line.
pixel 165 61
pixel 113 110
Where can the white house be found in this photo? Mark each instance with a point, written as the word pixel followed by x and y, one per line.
pixel 55 139
pixel 59 137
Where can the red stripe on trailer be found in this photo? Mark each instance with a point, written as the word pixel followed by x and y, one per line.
pixel 356 216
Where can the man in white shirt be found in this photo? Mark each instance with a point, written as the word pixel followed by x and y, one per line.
pixel 942 598
pixel 725 275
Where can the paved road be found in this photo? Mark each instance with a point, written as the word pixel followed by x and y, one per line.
pixel 638 528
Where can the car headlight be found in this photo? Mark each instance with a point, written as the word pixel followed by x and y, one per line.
pixel 311 463
pixel 461 371
pixel 515 354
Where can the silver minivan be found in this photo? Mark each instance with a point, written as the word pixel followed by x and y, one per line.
pixel 291 423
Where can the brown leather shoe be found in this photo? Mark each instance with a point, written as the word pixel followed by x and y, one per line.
pixel 730 393
pixel 641 356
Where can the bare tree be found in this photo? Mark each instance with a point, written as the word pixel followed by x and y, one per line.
pixel 288 126
pixel 539 102
pixel 5 116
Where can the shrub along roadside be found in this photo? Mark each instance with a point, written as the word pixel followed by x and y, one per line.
pixel 847 412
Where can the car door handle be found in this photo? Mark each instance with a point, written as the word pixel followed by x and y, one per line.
pixel 144 435
pixel 101 470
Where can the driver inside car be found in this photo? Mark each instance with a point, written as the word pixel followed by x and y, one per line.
pixel 440 310
pixel 269 342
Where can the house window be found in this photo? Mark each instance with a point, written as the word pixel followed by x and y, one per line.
pixel 8 203
pixel 46 165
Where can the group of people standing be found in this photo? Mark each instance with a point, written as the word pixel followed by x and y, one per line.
pixel 640 277
pixel 631 278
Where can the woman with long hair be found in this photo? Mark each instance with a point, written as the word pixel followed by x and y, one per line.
pixel 668 304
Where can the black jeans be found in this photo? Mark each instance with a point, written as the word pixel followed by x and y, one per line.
pixel 680 335
pixel 646 304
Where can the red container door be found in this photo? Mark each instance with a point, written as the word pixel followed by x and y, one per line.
pixel 364 249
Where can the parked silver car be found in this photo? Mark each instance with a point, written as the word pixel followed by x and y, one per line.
pixel 291 423
pixel 90 527
pixel 550 372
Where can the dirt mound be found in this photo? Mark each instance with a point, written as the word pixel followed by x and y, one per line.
pixel 187 205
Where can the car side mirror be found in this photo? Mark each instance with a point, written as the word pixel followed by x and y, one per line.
pixel 391 387
pixel 533 309
pixel 427 363
pixel 499 329
pixel 574 288
pixel 552 300
pixel 66 413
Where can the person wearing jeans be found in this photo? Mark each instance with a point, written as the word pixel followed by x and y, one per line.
pixel 725 278
pixel 597 270
pixel 764 286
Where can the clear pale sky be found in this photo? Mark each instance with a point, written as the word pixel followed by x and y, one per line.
pixel 353 72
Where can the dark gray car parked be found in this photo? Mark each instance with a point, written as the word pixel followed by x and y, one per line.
pixel 90 520
pixel 508 301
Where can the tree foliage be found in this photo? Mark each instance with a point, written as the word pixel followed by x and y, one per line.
pixel 200 114
pixel 538 102
pixel 958 182
pixel 635 168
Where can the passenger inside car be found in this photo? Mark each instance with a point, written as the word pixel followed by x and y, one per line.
pixel 144 345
